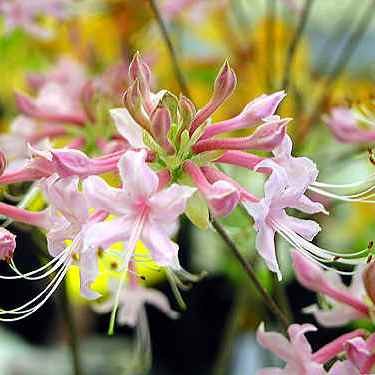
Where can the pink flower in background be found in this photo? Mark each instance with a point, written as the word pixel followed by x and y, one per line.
pixel 143 213
pixel 24 14
pixel 132 301
pixel 346 302
pixel 296 353
pixel 345 126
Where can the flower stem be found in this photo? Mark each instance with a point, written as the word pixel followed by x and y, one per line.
pixel 73 335
pixel 248 268
pixel 178 72
pixel 294 43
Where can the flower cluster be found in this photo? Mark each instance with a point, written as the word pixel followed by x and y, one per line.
pixel 167 155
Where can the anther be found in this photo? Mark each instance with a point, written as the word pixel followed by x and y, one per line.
pixel 75 257
pixel 100 252
pixel 113 265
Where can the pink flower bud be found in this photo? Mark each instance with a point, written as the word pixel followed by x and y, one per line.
pixel 138 69
pixel 224 85
pixel 187 111
pixel 7 244
pixel 222 196
pixel 368 277
pixel 160 125
pixel 3 162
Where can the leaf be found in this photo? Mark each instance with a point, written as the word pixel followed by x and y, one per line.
pixel 197 211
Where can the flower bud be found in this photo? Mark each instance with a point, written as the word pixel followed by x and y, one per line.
pixel 138 69
pixel 368 277
pixel 7 244
pixel 3 162
pixel 262 107
pixel 224 85
pixel 187 111
pixel 160 124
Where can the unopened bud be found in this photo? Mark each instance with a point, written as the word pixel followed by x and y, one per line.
pixel 7 244
pixel 368 278
pixel 3 162
pixel 138 69
pixel 187 111
pixel 160 124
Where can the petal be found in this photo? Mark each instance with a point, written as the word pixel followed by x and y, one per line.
pixel 164 251
pixel 170 203
pixel 102 196
pixel 275 342
pixel 65 196
pixel 308 229
pixel 106 233
pixel 308 206
pixel 277 182
pixel 128 127
pixel 265 244
pixel 284 150
pixel 160 301
pixel 343 368
pixel 89 270
pixel 297 337
pixel 138 178
pixel 337 316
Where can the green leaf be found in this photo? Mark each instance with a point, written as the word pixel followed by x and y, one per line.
pixel 197 211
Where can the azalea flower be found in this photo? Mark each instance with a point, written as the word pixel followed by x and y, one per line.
pixel 66 220
pixel 143 212
pixel 24 14
pixel 346 302
pixel 297 353
pixel 270 216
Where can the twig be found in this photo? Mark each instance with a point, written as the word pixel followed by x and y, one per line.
pixel 294 44
pixel 178 72
pixel 66 309
pixel 248 268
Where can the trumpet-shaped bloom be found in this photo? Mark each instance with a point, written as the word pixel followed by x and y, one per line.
pixel 345 126
pixel 296 353
pixel 131 302
pixel 346 301
pixel 7 244
pixel 143 212
pixel 270 216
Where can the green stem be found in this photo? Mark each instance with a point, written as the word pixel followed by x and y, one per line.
pixel 66 309
pixel 172 52
pixel 248 268
pixel 293 46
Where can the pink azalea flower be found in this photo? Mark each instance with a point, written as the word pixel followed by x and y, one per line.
pixel 67 218
pixel 296 353
pixel 132 301
pixel 258 110
pixel 345 126
pixel 24 14
pixel 143 212
pixel 270 216
pixel 346 301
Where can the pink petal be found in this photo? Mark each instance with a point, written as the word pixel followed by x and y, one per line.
pixel 276 343
pixel 128 127
pixel 164 251
pixel 168 204
pixel 138 178
pixel 102 196
pixel 343 368
pixel 305 228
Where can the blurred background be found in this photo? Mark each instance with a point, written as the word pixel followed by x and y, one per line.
pixel 334 64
